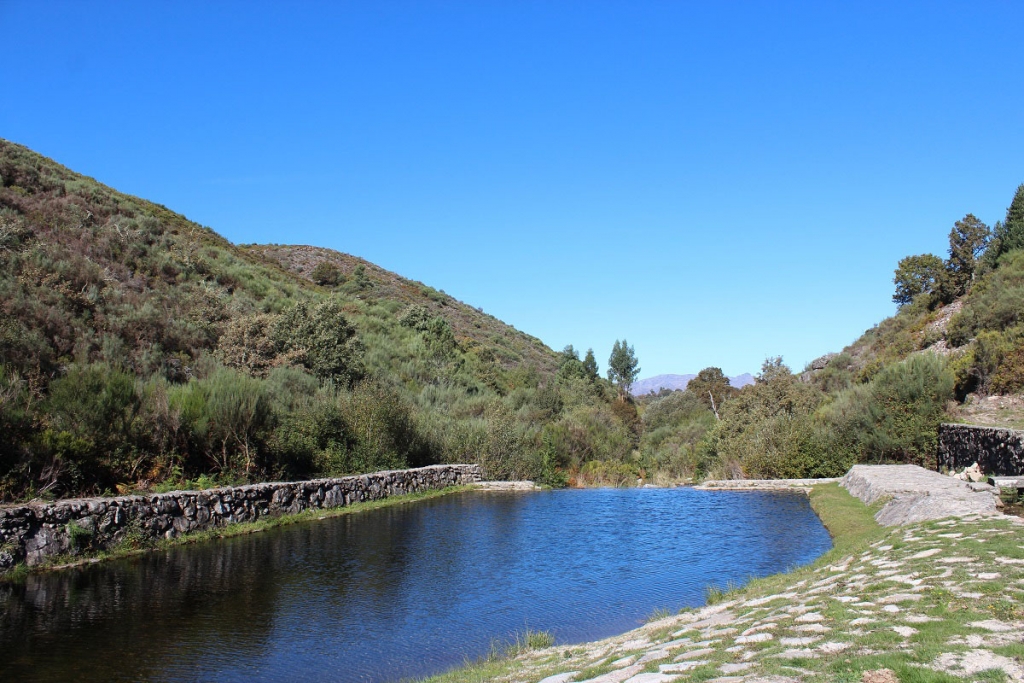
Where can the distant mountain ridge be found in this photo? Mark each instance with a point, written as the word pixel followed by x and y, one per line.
pixel 678 382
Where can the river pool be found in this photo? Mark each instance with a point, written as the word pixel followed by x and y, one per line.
pixel 402 591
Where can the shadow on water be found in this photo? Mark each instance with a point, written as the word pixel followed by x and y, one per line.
pixel 401 591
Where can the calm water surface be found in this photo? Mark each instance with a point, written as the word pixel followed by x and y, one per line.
pixel 399 592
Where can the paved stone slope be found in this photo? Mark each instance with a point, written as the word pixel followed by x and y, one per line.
pixel 940 596
pixel 916 494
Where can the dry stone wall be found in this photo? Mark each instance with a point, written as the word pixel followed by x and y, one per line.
pixel 34 532
pixel 997 451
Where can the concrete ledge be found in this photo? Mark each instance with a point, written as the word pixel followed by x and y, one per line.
pixel 762 484
pixel 506 486
pixel 915 494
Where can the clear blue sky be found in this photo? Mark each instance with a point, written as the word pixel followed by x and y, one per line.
pixel 717 182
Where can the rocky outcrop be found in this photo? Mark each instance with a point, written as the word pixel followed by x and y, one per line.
pixel 35 532
pixel 997 451
pixel 915 494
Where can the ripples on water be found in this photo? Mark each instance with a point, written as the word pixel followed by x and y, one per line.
pixel 402 591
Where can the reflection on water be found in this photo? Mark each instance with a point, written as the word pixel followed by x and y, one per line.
pixel 401 591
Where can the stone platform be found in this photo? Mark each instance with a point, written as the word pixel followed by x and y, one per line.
pixel 916 494
pixel 761 484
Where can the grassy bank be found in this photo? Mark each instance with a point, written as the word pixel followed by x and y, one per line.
pixel 137 543
pixel 929 603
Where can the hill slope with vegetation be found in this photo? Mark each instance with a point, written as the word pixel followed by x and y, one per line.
pixel 141 350
pixel 953 351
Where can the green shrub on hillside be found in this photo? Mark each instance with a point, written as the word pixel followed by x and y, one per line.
pixel 895 417
pixel 501 457
pixel 994 364
pixel 996 302
pixel 675 409
pixel 321 339
pixel 313 439
pixel 15 428
pixel 327 274
pixel 91 412
pixel 912 397
pixel 416 317
pixel 382 427
pixel 248 344
pixel 673 426
pixel 228 418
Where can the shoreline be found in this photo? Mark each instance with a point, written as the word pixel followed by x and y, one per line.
pixel 935 598
pixel 926 601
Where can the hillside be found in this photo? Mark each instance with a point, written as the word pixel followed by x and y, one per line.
pixel 954 351
pixel 139 349
pixel 472 327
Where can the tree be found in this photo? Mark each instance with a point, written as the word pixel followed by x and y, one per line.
pixel 967 241
pixel 767 428
pixel 711 387
pixel 623 368
pixel 1009 234
pixel 440 341
pixel 590 365
pixel 571 369
pixel 417 317
pixel 568 354
pixel 362 280
pixel 321 340
pixel 916 275
pixel 248 344
pixel 327 274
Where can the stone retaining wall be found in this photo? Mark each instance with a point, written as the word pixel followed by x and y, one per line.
pixel 34 532
pixel 997 451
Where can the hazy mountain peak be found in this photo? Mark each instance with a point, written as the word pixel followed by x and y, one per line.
pixel 678 382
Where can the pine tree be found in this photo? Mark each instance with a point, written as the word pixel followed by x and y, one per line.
pixel 590 364
pixel 1010 234
pixel 967 241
